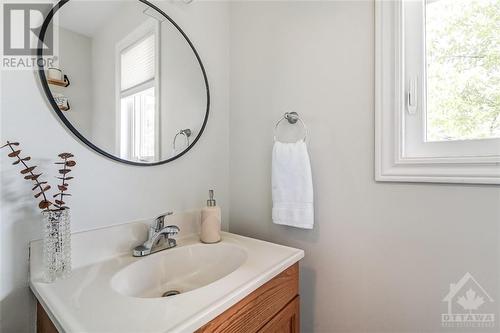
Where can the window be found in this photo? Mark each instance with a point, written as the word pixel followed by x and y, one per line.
pixel 137 79
pixel 438 91
pixel 138 125
pixel 463 69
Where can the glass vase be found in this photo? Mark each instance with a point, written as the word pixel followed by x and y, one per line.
pixel 56 244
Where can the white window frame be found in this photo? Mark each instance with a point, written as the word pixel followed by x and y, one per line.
pixel 398 158
pixel 140 33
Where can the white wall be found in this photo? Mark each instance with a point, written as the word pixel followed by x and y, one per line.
pixel 75 61
pixel 381 256
pixel 183 92
pixel 106 192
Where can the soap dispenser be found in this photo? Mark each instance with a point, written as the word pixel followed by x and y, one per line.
pixel 210 221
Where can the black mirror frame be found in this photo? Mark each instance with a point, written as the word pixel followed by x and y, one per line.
pixel 50 97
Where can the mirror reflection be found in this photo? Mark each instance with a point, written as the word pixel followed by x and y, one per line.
pixel 127 80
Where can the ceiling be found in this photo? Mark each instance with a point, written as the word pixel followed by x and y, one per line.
pixel 86 17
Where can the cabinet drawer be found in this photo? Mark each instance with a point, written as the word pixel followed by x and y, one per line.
pixel 254 311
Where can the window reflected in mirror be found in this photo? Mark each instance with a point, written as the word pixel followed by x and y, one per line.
pixel 138 109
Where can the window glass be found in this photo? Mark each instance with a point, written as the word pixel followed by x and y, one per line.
pixel 463 69
pixel 139 127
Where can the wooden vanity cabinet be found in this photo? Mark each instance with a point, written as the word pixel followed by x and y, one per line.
pixel 43 322
pixel 272 308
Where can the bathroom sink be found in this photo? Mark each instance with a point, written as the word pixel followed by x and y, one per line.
pixel 109 288
pixel 178 270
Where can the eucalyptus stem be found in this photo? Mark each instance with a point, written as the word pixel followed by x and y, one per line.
pixel 33 177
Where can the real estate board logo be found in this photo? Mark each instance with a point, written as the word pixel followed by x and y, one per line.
pixel 468 303
pixel 22 24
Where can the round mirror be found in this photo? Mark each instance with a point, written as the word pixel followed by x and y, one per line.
pixel 125 79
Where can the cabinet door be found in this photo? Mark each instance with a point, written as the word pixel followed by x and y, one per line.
pixel 260 307
pixel 285 321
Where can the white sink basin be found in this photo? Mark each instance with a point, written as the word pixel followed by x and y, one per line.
pixel 180 269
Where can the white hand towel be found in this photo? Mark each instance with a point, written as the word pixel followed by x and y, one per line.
pixel 292 186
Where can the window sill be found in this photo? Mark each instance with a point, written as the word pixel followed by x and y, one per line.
pixel 443 173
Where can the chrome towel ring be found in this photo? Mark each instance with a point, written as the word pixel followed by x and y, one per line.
pixel 292 118
pixel 186 133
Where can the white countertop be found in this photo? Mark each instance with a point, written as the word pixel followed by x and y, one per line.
pixel 86 302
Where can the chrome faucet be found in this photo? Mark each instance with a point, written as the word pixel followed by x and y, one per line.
pixel 158 237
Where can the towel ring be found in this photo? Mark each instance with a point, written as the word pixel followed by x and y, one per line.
pixel 186 133
pixel 292 118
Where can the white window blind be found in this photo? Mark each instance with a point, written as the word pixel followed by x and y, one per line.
pixel 138 63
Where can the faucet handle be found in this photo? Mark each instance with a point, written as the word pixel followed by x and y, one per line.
pixel 172 230
pixel 159 221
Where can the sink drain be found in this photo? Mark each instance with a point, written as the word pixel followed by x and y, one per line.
pixel 171 293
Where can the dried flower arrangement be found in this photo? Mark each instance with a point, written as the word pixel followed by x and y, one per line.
pixel 42 186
